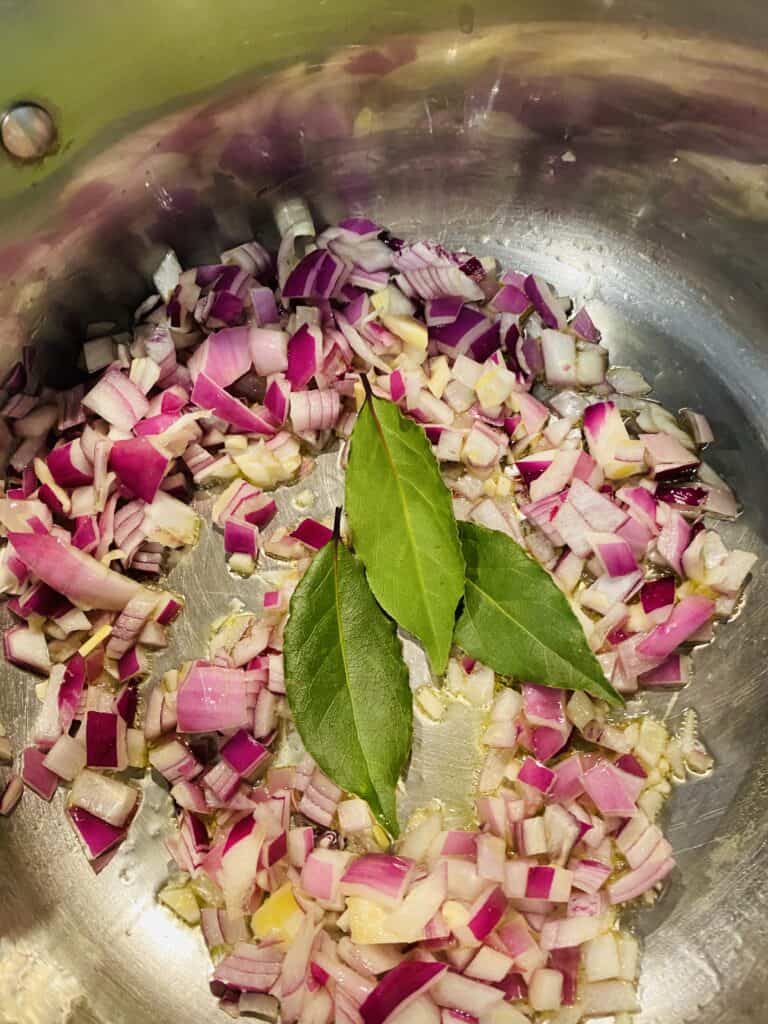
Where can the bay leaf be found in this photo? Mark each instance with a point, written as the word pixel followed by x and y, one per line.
pixel 517 621
pixel 402 525
pixel 346 681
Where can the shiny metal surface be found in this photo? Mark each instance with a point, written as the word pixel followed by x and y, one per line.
pixel 623 157
pixel 27 131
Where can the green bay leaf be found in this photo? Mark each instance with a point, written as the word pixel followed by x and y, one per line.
pixel 402 524
pixel 346 681
pixel 517 621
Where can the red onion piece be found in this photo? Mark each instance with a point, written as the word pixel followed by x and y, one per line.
pixel 547 305
pixel 312 533
pixel 607 790
pixel 224 356
pixel 666 455
pixel 26 648
pixel 69 466
pixel 398 988
pixel 140 466
pixel 269 350
pixel 643 878
pixel 465 995
pixel 304 349
pixel 314 410
pixel 241 538
pixel 250 968
pixel 314 277
pixel 105 740
pixel 209 395
pixel 686 618
pixel 243 753
pixel 36 776
pixel 277 398
pixel 671 672
pixel 443 310
pixel 582 325
pixel 86 582
pixel 212 699
pixel 378 876
pixel 117 400
pixel 657 594
pixel 107 798
pixel 97 836
pixel 537 775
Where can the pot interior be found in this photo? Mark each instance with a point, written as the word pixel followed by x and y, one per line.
pixel 626 167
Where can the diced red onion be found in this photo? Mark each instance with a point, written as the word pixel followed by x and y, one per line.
pixel 107 798
pixel 129 623
pixel 532 773
pixel 105 740
pixel 582 325
pixel 547 305
pixel 607 790
pixel 465 994
pixel 69 466
pixel 672 671
pixel 398 988
pixel 244 754
pixel 314 410
pixel 212 699
pixel 269 350
pixel 312 533
pixel 117 400
pixel 209 395
pixel 36 776
pixel 643 878
pixel 699 427
pixel 666 455
pixel 378 876
pixel 27 648
pixel 97 836
pixel 304 349
pixel 69 571
pixel 241 538
pixel 322 872
pixel 685 619
pixel 569 932
pixel 140 466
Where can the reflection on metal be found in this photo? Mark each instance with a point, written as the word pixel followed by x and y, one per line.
pixel 673 124
pixel 28 131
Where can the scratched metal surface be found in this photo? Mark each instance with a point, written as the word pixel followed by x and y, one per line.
pixel 627 165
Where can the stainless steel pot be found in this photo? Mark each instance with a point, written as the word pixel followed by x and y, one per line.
pixel 619 147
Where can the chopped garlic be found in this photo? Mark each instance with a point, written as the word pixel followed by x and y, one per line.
pixel 652 741
pixel 242 564
pixel 439 375
pixel 408 329
pixel 236 443
pixel 580 710
pixel 304 500
pixel 182 902
pixel 279 917
pixel 430 703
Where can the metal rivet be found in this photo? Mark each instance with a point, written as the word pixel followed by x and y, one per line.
pixel 28 131
pixel 466 18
